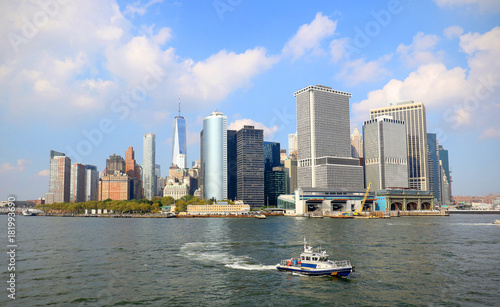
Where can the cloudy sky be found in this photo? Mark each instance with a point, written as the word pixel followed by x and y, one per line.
pixel 89 78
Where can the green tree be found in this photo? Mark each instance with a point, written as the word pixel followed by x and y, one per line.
pixel 180 206
pixel 168 200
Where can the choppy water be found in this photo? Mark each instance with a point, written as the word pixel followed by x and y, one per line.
pixel 428 261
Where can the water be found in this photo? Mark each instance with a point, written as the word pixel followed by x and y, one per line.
pixel 424 261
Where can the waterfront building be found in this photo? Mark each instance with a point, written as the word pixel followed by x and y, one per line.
pixel 214 156
pixel 59 178
pixel 179 149
pixel 232 166
pixel 292 145
pixel 386 165
pixel 250 160
pixel 91 183
pixel 275 184
pixel 176 190
pixel 446 178
pixel 77 183
pixel 356 144
pixel 114 186
pixel 115 163
pixel 148 166
pixel 323 139
pixel 413 114
pixel 221 208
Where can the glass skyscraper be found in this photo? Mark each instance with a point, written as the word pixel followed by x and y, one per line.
pixel 59 176
pixel 214 156
pixel 149 166
pixel 324 141
pixel 250 159
pixel 179 151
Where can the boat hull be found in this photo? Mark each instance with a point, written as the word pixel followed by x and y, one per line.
pixel 342 272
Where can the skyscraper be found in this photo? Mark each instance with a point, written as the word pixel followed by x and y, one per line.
pixel 179 151
pixel 413 114
pixel 323 139
pixel 91 182
pixel 115 163
pixel 59 176
pixel 149 165
pixel 433 166
pixel 250 149
pixel 272 156
pixel 134 173
pixel 214 156
pixel 356 144
pixel 77 183
pixel 232 165
pixel 385 158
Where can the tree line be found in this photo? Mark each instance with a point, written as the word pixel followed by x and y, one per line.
pixel 133 206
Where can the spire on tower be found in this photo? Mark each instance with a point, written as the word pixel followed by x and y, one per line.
pixel 179 104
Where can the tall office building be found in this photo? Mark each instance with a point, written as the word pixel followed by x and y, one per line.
pixel 446 179
pixel 385 158
pixel 250 152
pixel 91 183
pixel 272 157
pixel 275 185
pixel 356 144
pixel 114 186
pixel 323 139
pixel 232 166
pixel 290 167
pixel 433 166
pixel 134 173
pixel 149 165
pixel 77 183
pixel 179 151
pixel 413 114
pixel 59 177
pixel 214 156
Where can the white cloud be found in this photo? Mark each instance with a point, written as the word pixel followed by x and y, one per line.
pixel 21 166
pixel 483 5
pixel 222 73
pixel 338 48
pixel 491 132
pixel 420 51
pixel 463 95
pixel 358 71
pixel 137 8
pixel 453 31
pixel 309 37
pixel 268 131
pixel 44 173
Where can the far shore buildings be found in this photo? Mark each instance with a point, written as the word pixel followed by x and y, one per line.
pixel 70 183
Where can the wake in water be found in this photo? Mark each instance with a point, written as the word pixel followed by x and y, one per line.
pixel 216 253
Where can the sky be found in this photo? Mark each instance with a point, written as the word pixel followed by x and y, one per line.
pixel 90 78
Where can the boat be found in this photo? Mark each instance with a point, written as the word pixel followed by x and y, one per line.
pixel 497 222
pixel 260 216
pixel 27 212
pixel 315 263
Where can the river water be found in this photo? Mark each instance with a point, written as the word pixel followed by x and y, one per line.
pixel 65 261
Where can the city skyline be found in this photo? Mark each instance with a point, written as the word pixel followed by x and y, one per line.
pixel 121 75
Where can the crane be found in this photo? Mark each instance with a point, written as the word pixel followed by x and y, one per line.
pixel 364 200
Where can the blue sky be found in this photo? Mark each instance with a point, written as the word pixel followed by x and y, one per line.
pixel 89 78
